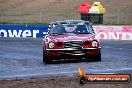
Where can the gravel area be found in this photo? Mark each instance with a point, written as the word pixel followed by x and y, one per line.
pixel 58 82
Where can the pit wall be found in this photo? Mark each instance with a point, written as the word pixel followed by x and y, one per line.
pixel 38 31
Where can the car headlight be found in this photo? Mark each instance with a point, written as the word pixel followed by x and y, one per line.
pixel 51 45
pixel 95 44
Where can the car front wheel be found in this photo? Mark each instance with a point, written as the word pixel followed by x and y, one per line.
pixel 45 57
pixel 96 57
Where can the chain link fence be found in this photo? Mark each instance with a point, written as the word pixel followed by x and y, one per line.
pixel 116 17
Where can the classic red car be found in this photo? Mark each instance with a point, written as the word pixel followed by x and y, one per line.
pixel 70 39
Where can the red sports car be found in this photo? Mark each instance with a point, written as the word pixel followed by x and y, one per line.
pixel 70 39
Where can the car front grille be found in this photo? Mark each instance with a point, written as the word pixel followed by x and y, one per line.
pixel 73 44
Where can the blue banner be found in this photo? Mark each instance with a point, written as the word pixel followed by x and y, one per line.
pixel 22 30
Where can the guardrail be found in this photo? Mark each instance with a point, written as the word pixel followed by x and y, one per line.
pixel 36 31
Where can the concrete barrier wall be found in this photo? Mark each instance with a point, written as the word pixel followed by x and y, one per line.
pixel 36 31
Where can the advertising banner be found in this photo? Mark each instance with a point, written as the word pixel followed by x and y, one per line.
pixel 36 31
pixel 22 30
pixel 114 32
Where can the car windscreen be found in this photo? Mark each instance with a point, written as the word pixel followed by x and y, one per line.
pixel 71 28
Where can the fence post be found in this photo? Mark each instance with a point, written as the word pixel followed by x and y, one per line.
pixel 118 16
pixel 40 17
pixel 2 19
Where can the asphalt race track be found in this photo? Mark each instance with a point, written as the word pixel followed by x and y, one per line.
pixel 22 58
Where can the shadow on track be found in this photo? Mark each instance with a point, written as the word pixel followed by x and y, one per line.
pixel 71 61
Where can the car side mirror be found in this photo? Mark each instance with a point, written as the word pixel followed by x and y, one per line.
pixel 47 32
pixel 91 23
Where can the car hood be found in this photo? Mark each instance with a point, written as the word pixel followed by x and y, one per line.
pixel 72 37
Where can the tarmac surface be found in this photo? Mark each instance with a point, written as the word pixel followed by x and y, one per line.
pixel 22 58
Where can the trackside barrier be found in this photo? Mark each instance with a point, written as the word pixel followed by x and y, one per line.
pixel 113 32
pixel 22 30
pixel 36 31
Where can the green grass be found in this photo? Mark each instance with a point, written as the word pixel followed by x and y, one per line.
pixel 117 24
pixel 24 23
pixel 44 23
